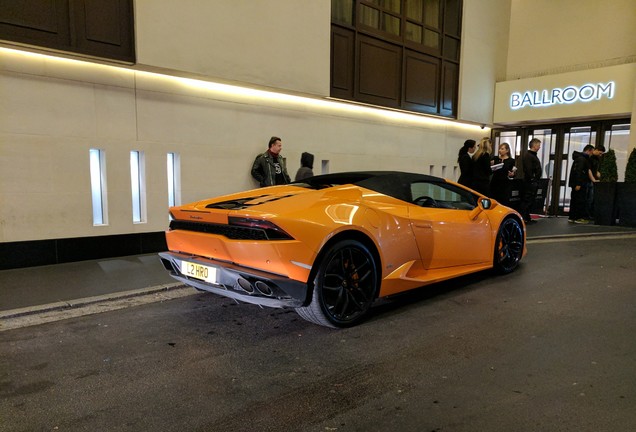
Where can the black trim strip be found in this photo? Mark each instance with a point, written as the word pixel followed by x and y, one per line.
pixel 56 251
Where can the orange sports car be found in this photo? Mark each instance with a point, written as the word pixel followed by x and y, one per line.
pixel 330 245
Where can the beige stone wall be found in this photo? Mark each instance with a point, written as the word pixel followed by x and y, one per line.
pixel 281 44
pixel 483 57
pixel 54 111
pixel 548 36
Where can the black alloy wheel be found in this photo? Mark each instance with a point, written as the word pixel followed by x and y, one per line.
pixel 508 246
pixel 345 286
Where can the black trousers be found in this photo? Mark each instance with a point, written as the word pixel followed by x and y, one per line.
pixel 578 203
pixel 529 195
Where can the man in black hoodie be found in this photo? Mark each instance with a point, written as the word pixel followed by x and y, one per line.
pixel 306 166
pixel 579 182
pixel 595 176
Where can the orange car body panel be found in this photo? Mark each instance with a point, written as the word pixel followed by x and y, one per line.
pixel 416 246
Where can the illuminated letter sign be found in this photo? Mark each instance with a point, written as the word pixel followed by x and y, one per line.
pixel 557 96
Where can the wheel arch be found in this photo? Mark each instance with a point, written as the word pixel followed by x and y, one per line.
pixel 512 216
pixel 344 235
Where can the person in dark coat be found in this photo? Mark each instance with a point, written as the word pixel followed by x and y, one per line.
pixel 466 162
pixel 579 181
pixel 306 166
pixel 500 181
pixel 481 167
pixel 595 177
pixel 531 176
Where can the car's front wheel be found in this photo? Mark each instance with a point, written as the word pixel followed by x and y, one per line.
pixel 345 284
pixel 508 246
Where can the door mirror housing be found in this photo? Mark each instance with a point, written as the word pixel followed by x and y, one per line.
pixel 483 203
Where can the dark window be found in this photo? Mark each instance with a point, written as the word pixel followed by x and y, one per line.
pixel 441 195
pixel 397 53
pixel 99 28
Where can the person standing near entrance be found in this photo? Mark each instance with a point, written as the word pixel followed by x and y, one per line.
pixel 580 181
pixel 481 167
pixel 270 168
pixel 465 162
pixel 595 177
pixel 595 162
pixel 504 171
pixel 531 175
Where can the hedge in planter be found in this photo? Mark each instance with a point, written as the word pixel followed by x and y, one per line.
pixel 626 194
pixel 605 209
pixel 630 169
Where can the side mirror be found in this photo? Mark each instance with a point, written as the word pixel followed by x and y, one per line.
pixel 482 204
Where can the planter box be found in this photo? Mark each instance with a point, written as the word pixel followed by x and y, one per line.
pixel 605 208
pixel 626 200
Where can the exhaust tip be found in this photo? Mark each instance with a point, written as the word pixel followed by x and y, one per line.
pixel 263 288
pixel 168 265
pixel 245 285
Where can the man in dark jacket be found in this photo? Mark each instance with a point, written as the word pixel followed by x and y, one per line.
pixel 270 168
pixel 579 181
pixel 531 175
pixel 595 176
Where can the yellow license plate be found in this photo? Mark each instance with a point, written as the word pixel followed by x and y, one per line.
pixel 199 271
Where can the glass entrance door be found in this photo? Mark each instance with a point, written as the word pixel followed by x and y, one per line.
pixel 549 157
pixel 575 139
pixel 558 144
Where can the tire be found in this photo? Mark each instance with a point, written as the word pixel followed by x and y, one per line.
pixel 345 285
pixel 508 246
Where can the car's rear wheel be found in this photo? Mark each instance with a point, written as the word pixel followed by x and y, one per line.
pixel 508 245
pixel 345 285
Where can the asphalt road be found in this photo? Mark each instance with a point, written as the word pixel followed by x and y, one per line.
pixel 551 347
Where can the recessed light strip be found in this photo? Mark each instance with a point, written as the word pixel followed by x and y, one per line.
pixel 242 94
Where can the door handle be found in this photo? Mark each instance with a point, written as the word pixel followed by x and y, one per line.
pixel 423 225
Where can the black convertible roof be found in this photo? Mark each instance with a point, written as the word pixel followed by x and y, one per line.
pixel 354 177
pixel 391 183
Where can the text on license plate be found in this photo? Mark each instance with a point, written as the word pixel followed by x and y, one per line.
pixel 199 271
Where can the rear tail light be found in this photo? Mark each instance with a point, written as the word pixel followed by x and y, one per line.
pixel 273 231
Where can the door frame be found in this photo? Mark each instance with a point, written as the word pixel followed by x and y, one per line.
pixel 523 134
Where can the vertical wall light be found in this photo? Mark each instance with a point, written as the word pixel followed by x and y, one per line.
pixel 174 179
pixel 97 161
pixel 138 186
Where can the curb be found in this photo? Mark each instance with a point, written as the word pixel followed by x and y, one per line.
pixel 86 301
pixel 583 236
pixel 53 312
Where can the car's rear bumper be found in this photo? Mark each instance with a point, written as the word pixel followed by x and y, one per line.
pixel 240 283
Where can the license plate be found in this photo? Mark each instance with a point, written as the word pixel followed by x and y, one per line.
pixel 199 271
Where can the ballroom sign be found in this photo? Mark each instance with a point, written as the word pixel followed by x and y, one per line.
pixel 562 95
pixel 587 93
